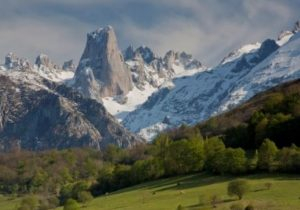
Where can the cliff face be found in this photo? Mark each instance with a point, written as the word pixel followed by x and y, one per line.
pixel 101 71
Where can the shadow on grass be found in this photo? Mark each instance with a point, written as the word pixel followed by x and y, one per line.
pixel 197 180
pixel 194 181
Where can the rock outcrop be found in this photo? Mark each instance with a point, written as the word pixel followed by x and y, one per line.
pixel 69 65
pixel 38 114
pixel 102 65
pixel 14 62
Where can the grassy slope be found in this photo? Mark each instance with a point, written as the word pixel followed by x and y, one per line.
pixel 165 194
pixel 284 194
pixel 7 203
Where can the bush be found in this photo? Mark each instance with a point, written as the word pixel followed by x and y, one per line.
pixel 238 188
pixel 71 204
pixel 84 196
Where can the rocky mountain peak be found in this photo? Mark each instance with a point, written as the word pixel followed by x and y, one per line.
pixel 102 56
pixel 169 59
pixel 146 53
pixel 43 60
pixel 129 53
pixel 14 62
pixel 69 65
pixel 11 60
pixel 296 27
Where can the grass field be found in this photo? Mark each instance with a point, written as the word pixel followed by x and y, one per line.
pixel 167 194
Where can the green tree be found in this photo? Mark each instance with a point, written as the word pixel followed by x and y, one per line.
pixel 238 188
pixel 266 154
pixel 234 161
pixel 186 156
pixel 213 147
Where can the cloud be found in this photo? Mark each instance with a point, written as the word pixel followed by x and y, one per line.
pixel 30 37
pixel 209 29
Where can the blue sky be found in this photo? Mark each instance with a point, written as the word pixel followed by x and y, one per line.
pixel 209 29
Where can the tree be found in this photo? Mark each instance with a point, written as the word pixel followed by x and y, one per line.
pixel 212 148
pixel 266 154
pixel 238 188
pixel 185 156
pixel 234 161
pixel 71 204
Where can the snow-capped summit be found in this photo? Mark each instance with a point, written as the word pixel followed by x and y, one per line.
pixel 104 62
pixel 239 76
pixel 241 51
pixel 284 37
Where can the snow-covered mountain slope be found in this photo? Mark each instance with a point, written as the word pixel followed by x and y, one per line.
pixel 149 74
pixel 195 98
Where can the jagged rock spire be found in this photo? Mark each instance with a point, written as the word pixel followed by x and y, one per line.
pixel 106 66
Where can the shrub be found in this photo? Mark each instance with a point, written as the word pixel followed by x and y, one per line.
pixel 71 204
pixel 238 188
pixel 84 196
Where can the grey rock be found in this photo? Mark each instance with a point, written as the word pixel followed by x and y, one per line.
pixel 103 58
pixel 44 60
pixel 296 27
pixel 146 53
pixel 14 62
pixel 56 117
pixel 69 66
pixel 129 53
pixel 169 59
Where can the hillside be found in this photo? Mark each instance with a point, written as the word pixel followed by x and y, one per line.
pixel 167 195
pixel 241 114
pixel 241 75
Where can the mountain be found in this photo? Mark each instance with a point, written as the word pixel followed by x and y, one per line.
pixel 241 75
pixel 38 111
pixel 149 73
pixel 241 115
pixel 101 71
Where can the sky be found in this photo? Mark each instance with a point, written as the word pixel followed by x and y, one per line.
pixel 208 29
